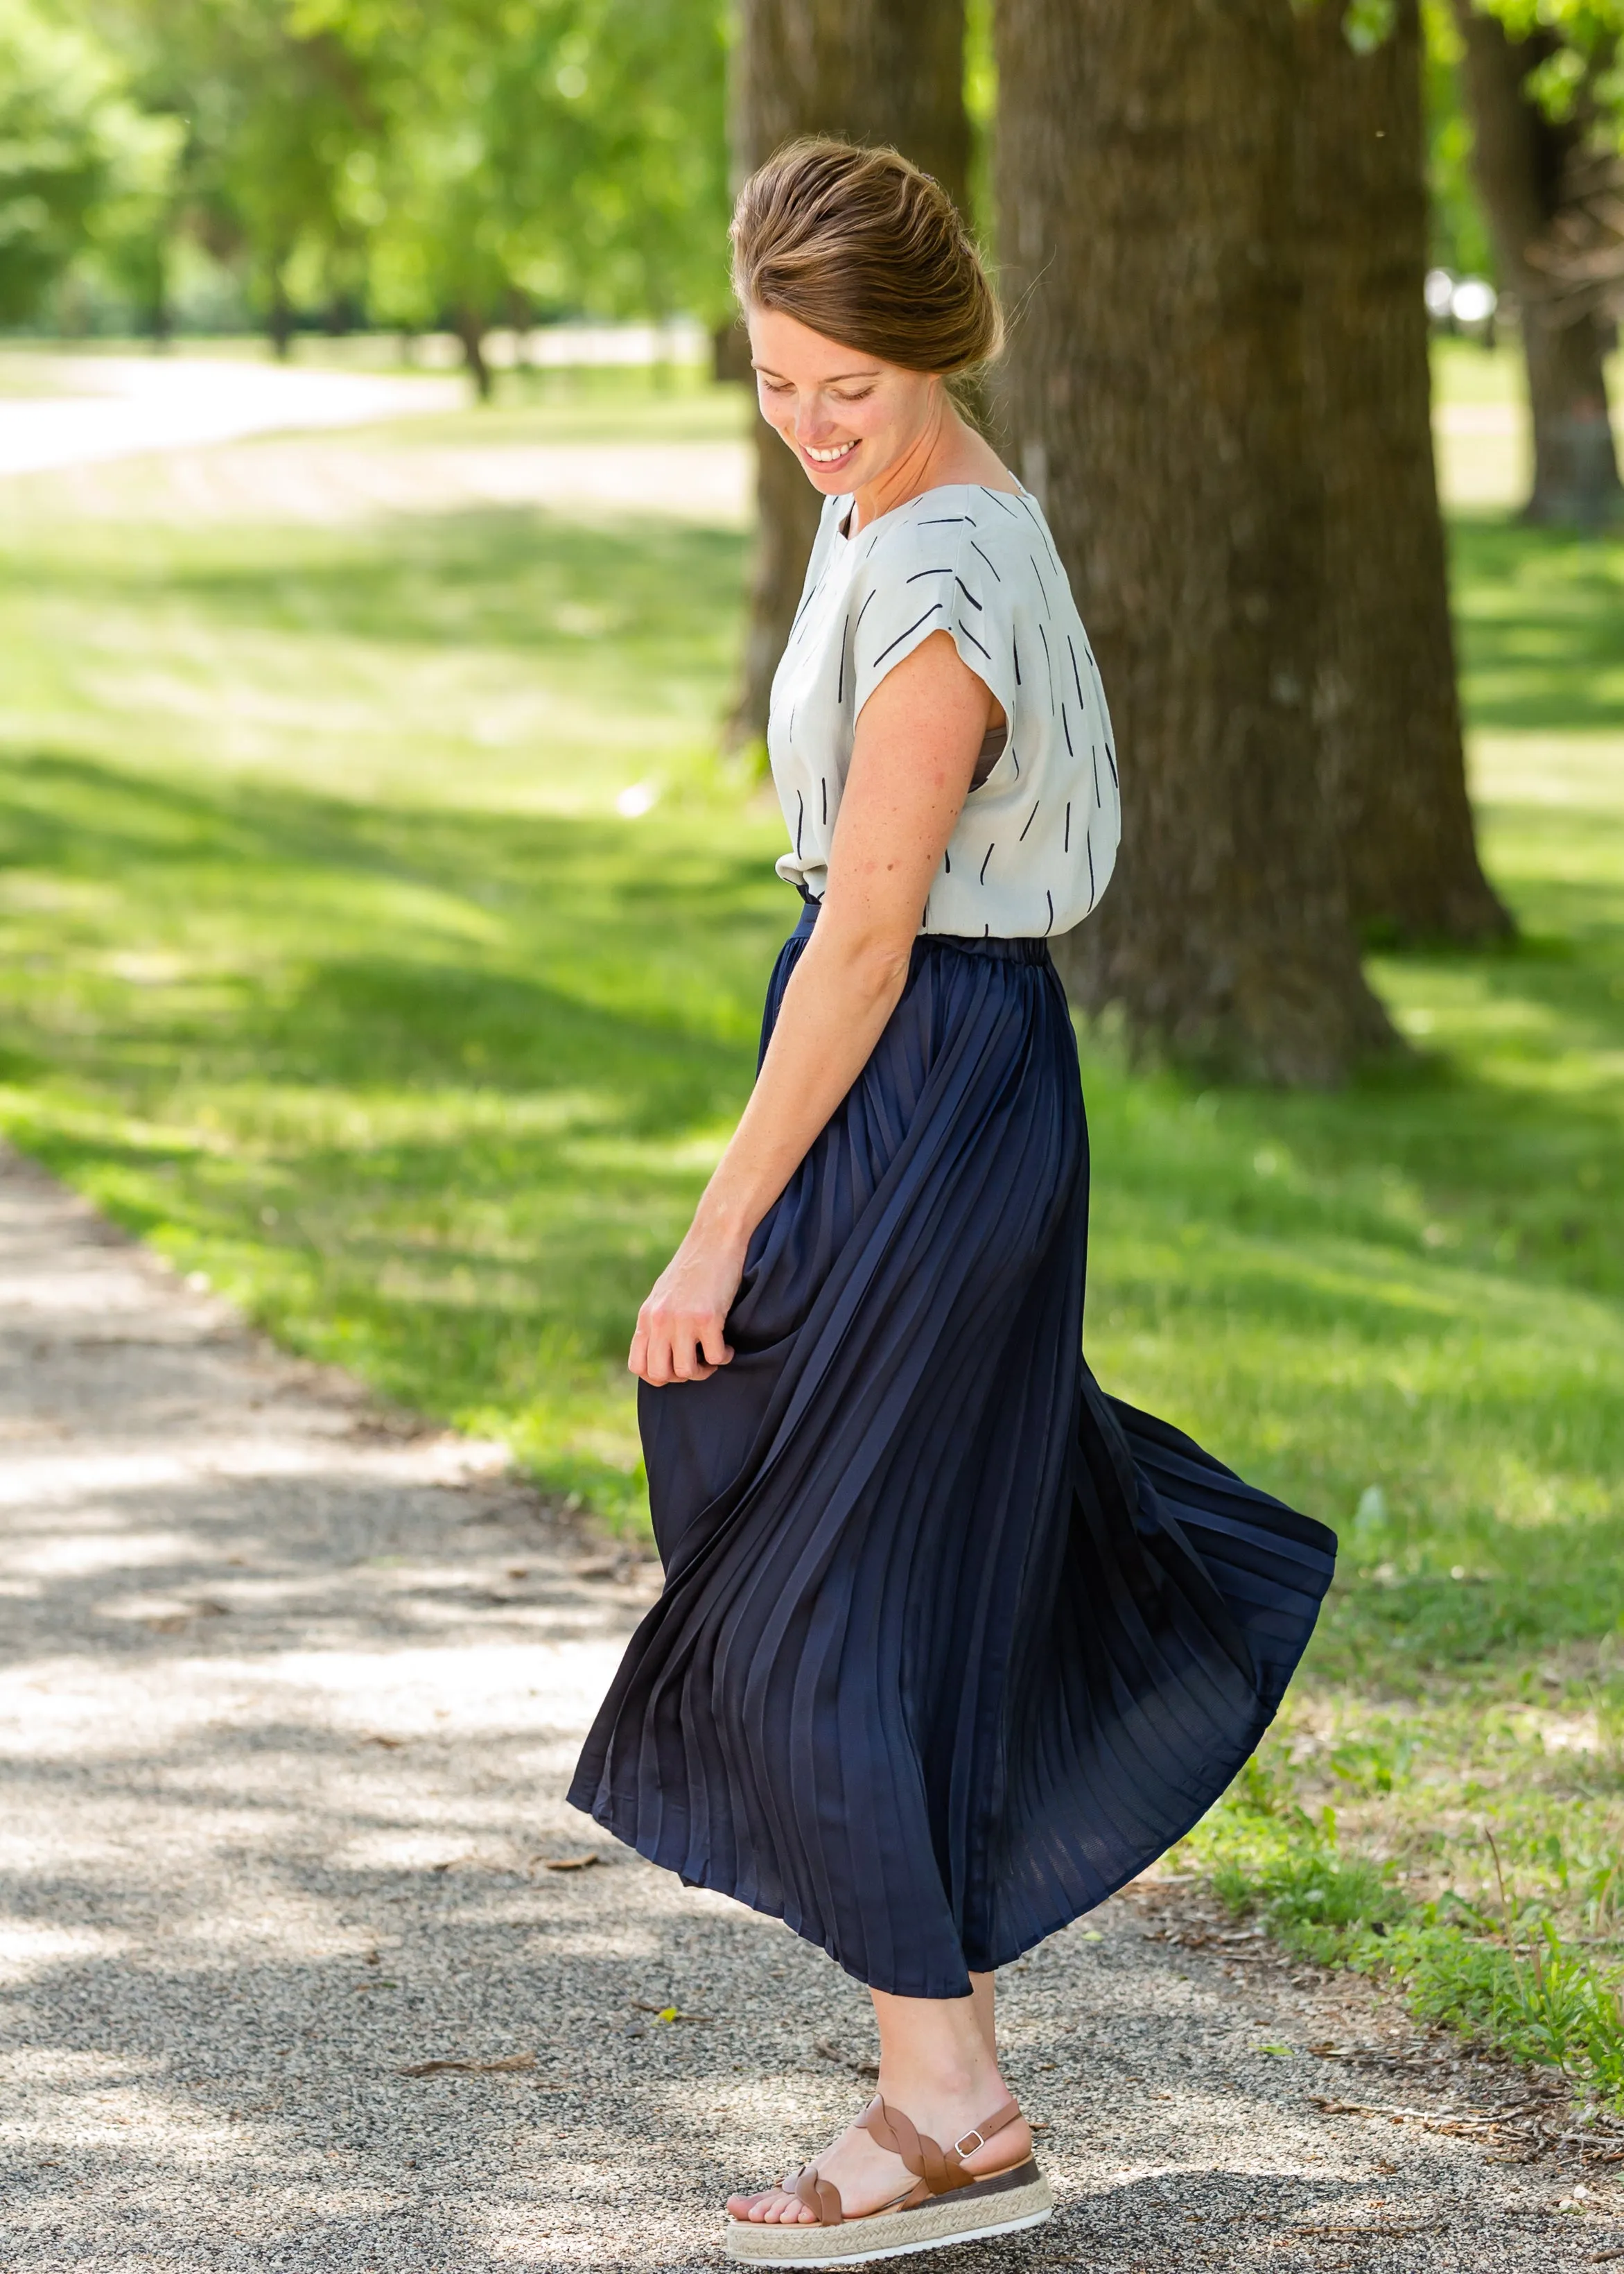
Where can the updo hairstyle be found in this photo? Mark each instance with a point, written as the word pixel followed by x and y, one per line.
pixel 861 247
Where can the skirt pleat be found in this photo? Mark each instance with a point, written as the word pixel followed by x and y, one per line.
pixel 951 1645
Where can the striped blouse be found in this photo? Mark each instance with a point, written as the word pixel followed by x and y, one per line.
pixel 1037 838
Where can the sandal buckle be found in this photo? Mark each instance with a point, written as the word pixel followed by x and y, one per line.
pixel 959 2148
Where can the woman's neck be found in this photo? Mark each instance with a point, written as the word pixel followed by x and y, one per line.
pixel 946 450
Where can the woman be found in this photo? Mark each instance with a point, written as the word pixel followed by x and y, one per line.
pixel 951 1645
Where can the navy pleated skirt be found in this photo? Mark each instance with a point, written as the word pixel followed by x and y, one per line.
pixel 951 1645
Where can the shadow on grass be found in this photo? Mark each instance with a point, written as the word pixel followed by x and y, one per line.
pixel 1541 620
pixel 545 584
pixel 433 1092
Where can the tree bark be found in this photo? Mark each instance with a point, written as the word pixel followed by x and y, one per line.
pixel 1522 163
pixel 1155 396
pixel 279 318
pixel 871 71
pixel 1384 686
pixel 471 330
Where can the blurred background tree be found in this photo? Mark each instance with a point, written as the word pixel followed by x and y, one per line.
pixel 84 168
pixel 461 165
pixel 1384 698
pixel 1544 87
pixel 542 156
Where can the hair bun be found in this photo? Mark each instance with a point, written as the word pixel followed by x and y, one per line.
pixel 861 245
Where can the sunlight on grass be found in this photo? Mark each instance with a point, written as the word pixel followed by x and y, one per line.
pixel 330 964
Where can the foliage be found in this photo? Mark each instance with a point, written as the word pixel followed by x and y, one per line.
pixel 1497 1967
pixel 79 162
pixel 423 162
pixel 1580 72
pixel 1460 236
pixel 568 151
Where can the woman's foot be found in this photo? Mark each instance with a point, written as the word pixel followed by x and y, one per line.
pixel 869 2177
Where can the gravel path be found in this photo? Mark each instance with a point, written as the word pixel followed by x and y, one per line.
pixel 290 1694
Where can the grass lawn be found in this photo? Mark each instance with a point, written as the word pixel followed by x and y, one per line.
pixel 336 960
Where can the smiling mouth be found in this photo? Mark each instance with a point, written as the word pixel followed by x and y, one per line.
pixel 828 457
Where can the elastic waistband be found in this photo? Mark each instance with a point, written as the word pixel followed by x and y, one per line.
pixel 999 951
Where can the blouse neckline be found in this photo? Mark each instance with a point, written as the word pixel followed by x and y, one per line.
pixel 936 489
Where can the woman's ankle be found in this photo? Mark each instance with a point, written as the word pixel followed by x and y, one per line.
pixel 941 2087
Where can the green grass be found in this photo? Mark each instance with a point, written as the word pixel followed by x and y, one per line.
pixel 328 964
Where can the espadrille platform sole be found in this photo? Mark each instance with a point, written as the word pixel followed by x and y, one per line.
pixel 1003 2204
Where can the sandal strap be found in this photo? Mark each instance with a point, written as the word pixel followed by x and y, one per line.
pixel 819 2195
pixel 939 2170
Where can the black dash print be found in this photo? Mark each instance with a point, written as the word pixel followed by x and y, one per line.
pixel 800 612
pixel 1066 731
pixel 975 547
pixel 918 573
pixel 1095 753
pixel 939 520
pixel 863 611
pixel 846 630
pixel 1076 680
pixel 1049 926
pixel 986 931
pixel 800 817
pixel 822 783
pixel 1015 643
pixel 998 498
pixel 1110 760
pixel 1038 572
pixel 1067 845
pixel 1049 661
pixel 948 860
pixel 1031 817
pixel 1015 761
pixel 1091 889
pixel 986 857
pixel 968 594
pixel 934 609
pixel 1036 519
pixel 970 635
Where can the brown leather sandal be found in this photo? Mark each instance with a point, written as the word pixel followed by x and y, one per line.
pixel 942 2202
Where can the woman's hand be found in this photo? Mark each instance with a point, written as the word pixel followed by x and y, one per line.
pixel 679 1336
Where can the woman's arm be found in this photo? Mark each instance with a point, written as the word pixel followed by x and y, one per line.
pixel 918 737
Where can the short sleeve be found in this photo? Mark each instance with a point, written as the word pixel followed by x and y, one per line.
pixel 927 574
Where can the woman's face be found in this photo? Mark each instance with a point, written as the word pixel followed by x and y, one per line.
pixel 847 415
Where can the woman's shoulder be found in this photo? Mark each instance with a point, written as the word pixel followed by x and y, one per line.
pixel 972 528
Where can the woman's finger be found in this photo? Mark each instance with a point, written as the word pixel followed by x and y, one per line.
pixel 656 1358
pixel 713 1341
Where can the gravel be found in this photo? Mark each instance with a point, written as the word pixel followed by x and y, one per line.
pixel 291 1691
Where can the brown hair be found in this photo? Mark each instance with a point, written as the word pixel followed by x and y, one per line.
pixel 862 246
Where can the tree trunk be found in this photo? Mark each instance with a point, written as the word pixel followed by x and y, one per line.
pixel 1143 173
pixel 471 330
pixel 872 71
pixel 279 322
pixel 1383 688
pixel 1521 162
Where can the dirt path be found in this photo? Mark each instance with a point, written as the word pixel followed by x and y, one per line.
pixel 100 407
pixel 289 1702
